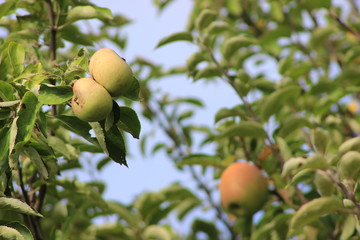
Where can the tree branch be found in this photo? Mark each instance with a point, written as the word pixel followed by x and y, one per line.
pixel 344 25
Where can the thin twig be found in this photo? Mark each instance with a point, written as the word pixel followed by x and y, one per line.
pixel 344 25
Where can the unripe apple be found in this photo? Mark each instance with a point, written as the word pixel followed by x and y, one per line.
pixel 91 102
pixel 243 189
pixel 111 71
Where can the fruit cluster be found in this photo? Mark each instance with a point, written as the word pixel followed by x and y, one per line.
pixel 111 77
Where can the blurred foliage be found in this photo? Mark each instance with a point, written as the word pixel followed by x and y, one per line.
pixel 298 122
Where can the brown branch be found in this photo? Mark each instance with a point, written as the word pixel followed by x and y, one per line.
pixel 53 30
pixel 344 25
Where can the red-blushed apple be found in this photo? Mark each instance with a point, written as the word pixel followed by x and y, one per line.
pixel 91 102
pixel 243 189
pixel 111 71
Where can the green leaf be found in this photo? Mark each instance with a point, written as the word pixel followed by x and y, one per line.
pixel 275 100
pixel 233 44
pixel 9 103
pixel 348 227
pixel 352 144
pixel 115 145
pixel 9 233
pixel 76 125
pixel 112 142
pixel 234 7
pixel 194 60
pixel 66 150
pixel 134 90
pixel 292 123
pixel 30 107
pixel 205 17
pixel 22 229
pixel 292 166
pixel 83 192
pixel 129 121
pixel 192 101
pixel 244 129
pixel 302 176
pixel 16 205
pixel 7 8
pixel 88 12
pixel 323 183
pixel 349 165
pixel 37 160
pixel 321 140
pixel 12 134
pixel 12 60
pixel 156 232
pixel 284 148
pixel 7 91
pixel 54 94
pixel 202 160
pixel 210 71
pixel 217 27
pixel 313 4
pixel 4 149
pixel 73 34
pixel 179 36
pixel 124 213
pixel 264 231
pixel 312 211
pixel 226 113
pixel 206 227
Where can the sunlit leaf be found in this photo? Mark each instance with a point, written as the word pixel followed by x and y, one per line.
pixel 54 94
pixel 313 210
pixel 179 36
pixel 30 107
pixel 233 44
pixel 9 233
pixel 16 205
pixel 88 12
pixel 204 19
pixel 244 129
pixel 277 99
pixel 202 160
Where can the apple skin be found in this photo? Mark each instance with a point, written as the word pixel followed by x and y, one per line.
pixel 111 71
pixel 91 102
pixel 243 189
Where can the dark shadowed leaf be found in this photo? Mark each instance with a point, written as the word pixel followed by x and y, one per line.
pixel 129 121
pixel 77 126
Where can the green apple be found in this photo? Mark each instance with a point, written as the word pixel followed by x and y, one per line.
pixel 91 102
pixel 243 189
pixel 111 71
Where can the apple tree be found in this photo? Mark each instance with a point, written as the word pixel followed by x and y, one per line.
pixel 297 121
